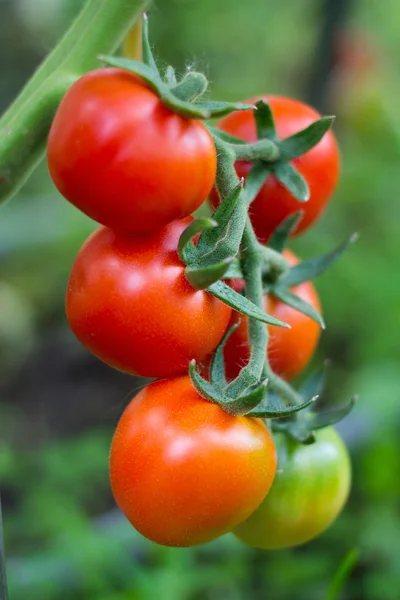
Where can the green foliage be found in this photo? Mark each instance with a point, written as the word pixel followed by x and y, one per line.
pixel 62 539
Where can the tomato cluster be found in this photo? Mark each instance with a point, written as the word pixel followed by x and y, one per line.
pixel 182 469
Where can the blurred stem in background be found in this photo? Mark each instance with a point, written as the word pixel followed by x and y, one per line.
pixel 3 578
pixel 334 14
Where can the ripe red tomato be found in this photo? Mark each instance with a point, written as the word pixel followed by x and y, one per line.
pixel 123 158
pixel 309 491
pixel 182 470
pixel 129 303
pixel 319 166
pixel 289 350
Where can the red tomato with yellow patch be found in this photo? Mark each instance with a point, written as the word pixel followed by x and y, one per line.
pixel 123 158
pixel 319 166
pixel 129 303
pixel 289 350
pixel 183 471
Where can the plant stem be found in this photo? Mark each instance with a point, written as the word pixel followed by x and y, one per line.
pixel 3 578
pixel 260 150
pixel 99 28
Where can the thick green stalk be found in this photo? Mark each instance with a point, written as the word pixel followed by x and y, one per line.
pixel 99 28
pixel 3 579
pixel 260 150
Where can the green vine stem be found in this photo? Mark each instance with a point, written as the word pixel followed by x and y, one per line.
pixel 99 28
pixel 254 257
pixel 3 579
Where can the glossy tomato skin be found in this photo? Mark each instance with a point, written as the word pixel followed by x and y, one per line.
pixel 129 303
pixel 289 350
pixel 311 486
pixel 320 166
pixel 123 158
pixel 182 470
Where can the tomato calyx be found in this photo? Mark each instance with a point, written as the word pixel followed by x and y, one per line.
pixel 271 155
pixel 182 97
pixel 301 427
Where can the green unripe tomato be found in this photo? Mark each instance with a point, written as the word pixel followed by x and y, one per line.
pixel 310 488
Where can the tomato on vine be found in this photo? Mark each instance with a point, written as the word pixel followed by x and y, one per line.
pixel 289 350
pixel 184 471
pixel 319 166
pixel 129 303
pixel 123 158
pixel 309 491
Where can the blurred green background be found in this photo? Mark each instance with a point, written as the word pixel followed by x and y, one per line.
pixel 58 405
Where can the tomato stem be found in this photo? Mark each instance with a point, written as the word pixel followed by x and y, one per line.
pixel 261 150
pixel 99 28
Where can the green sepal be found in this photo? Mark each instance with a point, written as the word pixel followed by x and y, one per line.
pixel 147 53
pixel 319 420
pixel 212 239
pixel 246 402
pixel 298 144
pixel 205 388
pixel 221 109
pixel 234 271
pixel 314 385
pixel 240 303
pixel 154 81
pixel 283 294
pixel 187 251
pixel 170 76
pixel 217 367
pixel 297 430
pixel 272 411
pixel 265 123
pixel 192 86
pixel 256 179
pixel 281 234
pixel 202 277
pixel 292 180
pixel 309 269
pixel 225 137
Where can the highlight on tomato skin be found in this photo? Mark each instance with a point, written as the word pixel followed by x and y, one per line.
pixel 123 158
pixel 182 470
pixel 320 166
pixel 129 303
pixel 289 350
pixel 309 491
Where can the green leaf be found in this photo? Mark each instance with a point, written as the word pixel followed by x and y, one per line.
pixel 265 123
pixel 286 296
pixel 240 303
pixel 309 269
pixel 330 417
pixel 206 389
pixel 217 368
pixel 271 411
pixel 202 277
pixel 256 179
pixel 221 109
pixel 212 239
pixel 300 143
pixel 281 234
pixel 186 249
pixel 148 57
pixel 345 568
pixel 292 180
pixel 225 137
